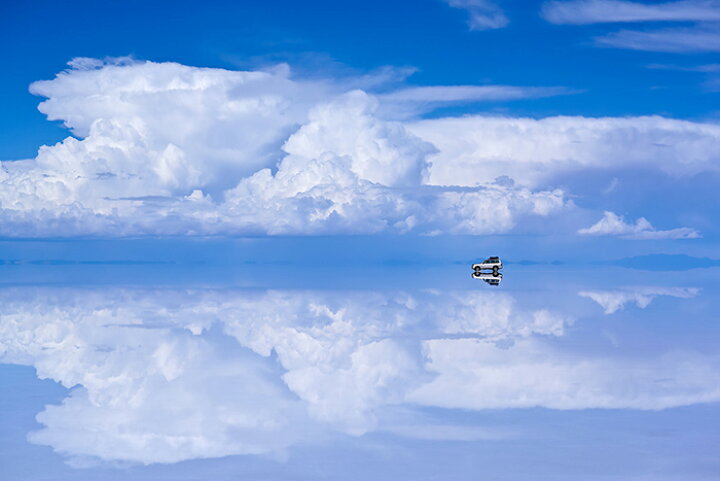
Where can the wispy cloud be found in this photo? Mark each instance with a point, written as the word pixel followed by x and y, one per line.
pixel 707 68
pixel 465 93
pixel 704 36
pixel 582 12
pixel 674 40
pixel 484 14
pixel 712 71
pixel 614 225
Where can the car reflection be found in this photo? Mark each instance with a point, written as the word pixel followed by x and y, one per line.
pixel 493 279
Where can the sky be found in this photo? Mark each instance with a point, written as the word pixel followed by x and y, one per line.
pixel 461 117
pixel 236 238
pixel 438 41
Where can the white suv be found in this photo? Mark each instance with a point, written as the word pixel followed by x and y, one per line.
pixel 493 263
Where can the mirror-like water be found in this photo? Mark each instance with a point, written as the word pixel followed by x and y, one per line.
pixel 371 377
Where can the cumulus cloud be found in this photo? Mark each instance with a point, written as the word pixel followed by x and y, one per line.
pixel 484 14
pixel 167 149
pixel 170 149
pixel 474 149
pixel 217 123
pixel 613 224
pixel 614 300
pixel 580 12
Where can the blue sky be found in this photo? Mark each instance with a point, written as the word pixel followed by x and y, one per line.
pixel 335 38
pixel 591 113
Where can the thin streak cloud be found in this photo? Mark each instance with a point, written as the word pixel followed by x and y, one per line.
pixel 583 12
pixel 464 93
pixel 673 40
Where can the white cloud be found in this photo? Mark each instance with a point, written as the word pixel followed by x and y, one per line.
pixel 679 40
pixel 701 37
pixel 581 12
pixel 706 68
pixel 614 300
pixel 351 172
pixel 469 93
pixel 154 380
pixel 379 152
pixel 484 14
pixel 411 102
pixel 221 123
pixel 170 149
pixel 613 224
pixel 167 149
pixel 712 79
pixel 474 150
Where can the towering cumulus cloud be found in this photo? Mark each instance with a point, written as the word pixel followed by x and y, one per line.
pixel 170 149
pixel 162 148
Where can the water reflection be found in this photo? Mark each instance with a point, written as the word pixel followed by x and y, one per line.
pixel 164 375
pixel 489 278
pixel 616 299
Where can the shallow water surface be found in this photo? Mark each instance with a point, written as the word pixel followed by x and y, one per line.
pixel 219 366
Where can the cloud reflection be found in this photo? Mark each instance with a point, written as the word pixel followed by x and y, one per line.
pixel 164 375
pixel 615 300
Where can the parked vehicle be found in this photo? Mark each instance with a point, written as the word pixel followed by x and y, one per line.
pixel 493 263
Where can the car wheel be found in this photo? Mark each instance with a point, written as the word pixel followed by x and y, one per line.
pixel 495 270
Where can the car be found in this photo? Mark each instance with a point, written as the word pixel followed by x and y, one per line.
pixel 493 263
pixel 492 279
